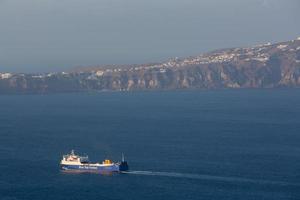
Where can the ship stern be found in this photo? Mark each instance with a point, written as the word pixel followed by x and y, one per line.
pixel 123 166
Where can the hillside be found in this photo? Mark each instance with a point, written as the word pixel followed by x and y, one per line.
pixel 262 66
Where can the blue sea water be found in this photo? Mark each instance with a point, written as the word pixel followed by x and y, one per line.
pixel 227 144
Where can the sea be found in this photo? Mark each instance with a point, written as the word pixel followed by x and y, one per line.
pixel 216 144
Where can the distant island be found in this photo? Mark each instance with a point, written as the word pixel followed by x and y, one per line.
pixel 262 66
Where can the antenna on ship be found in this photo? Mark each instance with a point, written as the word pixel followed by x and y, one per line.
pixel 123 159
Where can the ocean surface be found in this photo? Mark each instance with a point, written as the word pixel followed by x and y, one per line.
pixel 222 144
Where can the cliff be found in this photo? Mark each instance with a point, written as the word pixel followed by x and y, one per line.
pixel 262 66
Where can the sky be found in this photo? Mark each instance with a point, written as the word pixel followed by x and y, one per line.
pixel 56 35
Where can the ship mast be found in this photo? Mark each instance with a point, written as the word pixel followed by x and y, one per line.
pixel 123 159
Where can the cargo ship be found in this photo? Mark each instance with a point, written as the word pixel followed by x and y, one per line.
pixel 75 163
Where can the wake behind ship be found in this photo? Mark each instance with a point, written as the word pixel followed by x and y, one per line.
pixel 76 163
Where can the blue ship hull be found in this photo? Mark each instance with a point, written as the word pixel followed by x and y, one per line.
pixel 92 168
pixel 113 168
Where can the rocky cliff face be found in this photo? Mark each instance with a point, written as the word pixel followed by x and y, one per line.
pixel 263 66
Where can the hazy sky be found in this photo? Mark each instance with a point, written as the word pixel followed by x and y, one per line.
pixel 51 35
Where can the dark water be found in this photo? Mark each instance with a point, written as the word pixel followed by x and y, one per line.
pixel 180 145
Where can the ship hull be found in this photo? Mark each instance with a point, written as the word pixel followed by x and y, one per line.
pixel 90 168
